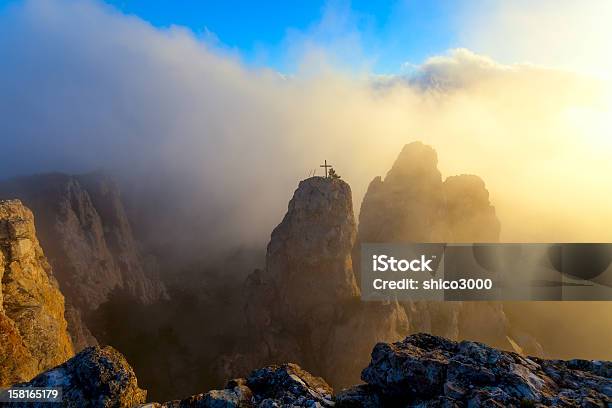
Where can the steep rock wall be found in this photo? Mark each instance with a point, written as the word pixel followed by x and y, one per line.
pixel 33 329
pixel 304 306
pixel 87 236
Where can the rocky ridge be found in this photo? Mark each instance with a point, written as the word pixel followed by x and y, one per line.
pixel 33 335
pixel 420 371
pixel 86 234
pixel 429 371
pixel 426 371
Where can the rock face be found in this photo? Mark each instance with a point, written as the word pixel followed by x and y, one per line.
pixel 304 306
pixel 409 204
pixel 414 204
pixel 469 215
pixel 310 246
pixel 85 232
pixel 33 335
pixel 429 371
pixel 95 377
pixel 424 371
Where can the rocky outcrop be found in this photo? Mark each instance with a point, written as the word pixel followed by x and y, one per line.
pixel 429 371
pixel 414 204
pixel 33 335
pixel 95 377
pixel 304 306
pixel 86 234
pixel 424 371
pixel 311 245
pixel 287 385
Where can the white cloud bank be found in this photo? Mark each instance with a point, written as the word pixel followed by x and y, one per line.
pixel 562 33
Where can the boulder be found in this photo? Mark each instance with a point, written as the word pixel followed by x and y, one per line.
pixel 95 377
pixel 287 385
pixel 422 369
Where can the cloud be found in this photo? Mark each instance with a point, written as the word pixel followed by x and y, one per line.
pixel 562 33
pixel 184 121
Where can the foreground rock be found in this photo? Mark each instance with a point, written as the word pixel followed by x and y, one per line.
pixel 425 371
pixel 84 229
pixel 33 334
pixel 420 371
pixel 96 377
pixel 430 371
pixel 287 385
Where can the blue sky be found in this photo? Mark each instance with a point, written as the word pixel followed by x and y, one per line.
pixel 381 34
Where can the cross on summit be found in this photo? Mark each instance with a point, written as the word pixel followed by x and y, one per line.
pixel 325 166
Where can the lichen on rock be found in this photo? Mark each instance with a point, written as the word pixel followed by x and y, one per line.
pixel 95 377
pixel 425 370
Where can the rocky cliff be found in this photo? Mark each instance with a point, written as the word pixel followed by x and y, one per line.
pixel 33 334
pixel 420 371
pixel 304 306
pixel 414 204
pixel 87 237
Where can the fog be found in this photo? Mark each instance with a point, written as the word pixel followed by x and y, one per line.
pixel 85 87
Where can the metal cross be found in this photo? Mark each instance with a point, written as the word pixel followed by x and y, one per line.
pixel 325 166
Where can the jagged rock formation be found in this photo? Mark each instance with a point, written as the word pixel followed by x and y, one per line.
pixel 86 234
pixel 33 335
pixel 469 217
pixel 287 385
pixel 429 371
pixel 414 204
pixel 424 371
pixel 304 306
pixel 409 204
pixel 311 245
pixel 95 377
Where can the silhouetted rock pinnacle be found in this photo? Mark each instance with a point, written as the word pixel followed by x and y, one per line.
pixel 413 204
